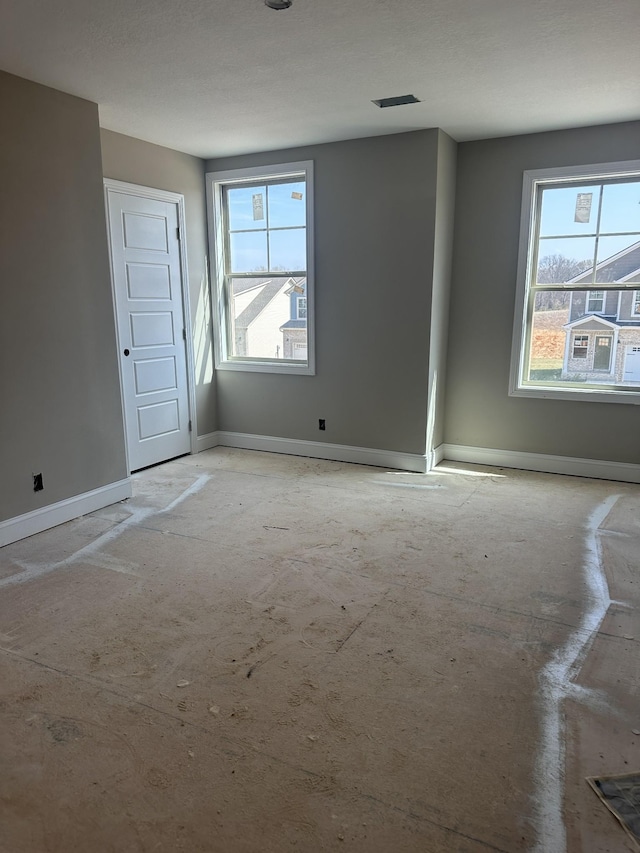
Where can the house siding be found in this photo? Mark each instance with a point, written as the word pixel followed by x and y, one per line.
pixel 627 301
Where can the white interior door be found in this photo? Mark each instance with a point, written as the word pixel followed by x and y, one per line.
pixel 147 280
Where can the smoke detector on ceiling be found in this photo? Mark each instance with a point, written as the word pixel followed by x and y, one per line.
pixel 278 4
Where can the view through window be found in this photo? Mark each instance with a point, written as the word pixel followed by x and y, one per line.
pixel 581 323
pixel 262 261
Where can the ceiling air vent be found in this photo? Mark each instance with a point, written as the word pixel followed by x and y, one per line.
pixel 397 101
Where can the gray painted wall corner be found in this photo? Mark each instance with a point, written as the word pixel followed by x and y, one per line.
pixel 443 256
pixel 479 410
pixel 375 219
pixel 59 380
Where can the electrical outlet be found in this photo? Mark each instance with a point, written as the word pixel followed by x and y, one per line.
pixel 37 483
pixel 321 424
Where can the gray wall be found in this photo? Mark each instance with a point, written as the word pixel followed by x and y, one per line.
pixel 134 161
pixel 443 247
pixel 375 210
pixel 479 411
pixel 59 387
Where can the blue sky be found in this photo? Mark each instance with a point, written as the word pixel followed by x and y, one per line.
pixel 281 206
pixel 620 212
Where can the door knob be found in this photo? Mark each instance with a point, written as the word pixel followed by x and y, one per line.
pixel 126 352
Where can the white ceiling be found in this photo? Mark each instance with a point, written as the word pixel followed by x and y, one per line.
pixel 219 77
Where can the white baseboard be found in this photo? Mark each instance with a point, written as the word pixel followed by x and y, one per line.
pixel 437 456
pixel 318 450
pixel 50 516
pixel 206 442
pixel 599 469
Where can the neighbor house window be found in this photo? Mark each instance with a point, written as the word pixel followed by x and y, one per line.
pixel 580 346
pixel 595 301
pixel 578 274
pixel 261 228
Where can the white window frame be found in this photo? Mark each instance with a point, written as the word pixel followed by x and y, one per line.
pixel 575 348
pixel 300 299
pixel 592 296
pixel 636 302
pixel 215 183
pixel 526 255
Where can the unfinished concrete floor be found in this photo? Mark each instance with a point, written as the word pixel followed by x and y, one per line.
pixel 261 653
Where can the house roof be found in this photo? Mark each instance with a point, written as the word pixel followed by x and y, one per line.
pixel 619 267
pixel 241 285
pixel 591 321
pixel 216 78
pixel 294 324
pixel 259 302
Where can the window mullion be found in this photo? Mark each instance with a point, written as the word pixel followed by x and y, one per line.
pixel 266 219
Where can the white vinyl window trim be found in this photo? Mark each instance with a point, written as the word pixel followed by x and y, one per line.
pixel 216 182
pixel 526 254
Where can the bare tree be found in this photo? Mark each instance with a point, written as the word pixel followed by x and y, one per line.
pixel 556 269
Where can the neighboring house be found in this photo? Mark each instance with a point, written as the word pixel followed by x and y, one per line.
pixel 603 331
pixel 294 331
pixel 269 317
pixel 260 307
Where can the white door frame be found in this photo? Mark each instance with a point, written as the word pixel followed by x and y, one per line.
pixel 178 199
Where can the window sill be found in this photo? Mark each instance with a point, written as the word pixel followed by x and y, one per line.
pixel 578 395
pixel 267 367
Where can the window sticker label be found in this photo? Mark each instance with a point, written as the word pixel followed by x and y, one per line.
pixel 297 196
pixel 583 207
pixel 258 206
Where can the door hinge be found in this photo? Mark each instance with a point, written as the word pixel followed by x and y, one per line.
pixel 178 233
pixel 184 334
pixel 190 426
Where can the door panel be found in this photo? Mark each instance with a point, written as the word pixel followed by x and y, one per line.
pixel 148 294
pixel 158 419
pixel 148 281
pixel 145 232
pixel 155 374
pixel 152 328
pixel 602 355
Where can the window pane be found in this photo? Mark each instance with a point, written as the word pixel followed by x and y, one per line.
pixel 621 207
pixel 288 249
pixel 246 207
pixel 259 309
pixel 618 257
pixel 580 346
pixel 569 210
pixel 595 301
pixel 570 343
pixel 287 206
pixel 248 251
pixel 548 337
pixel 560 261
